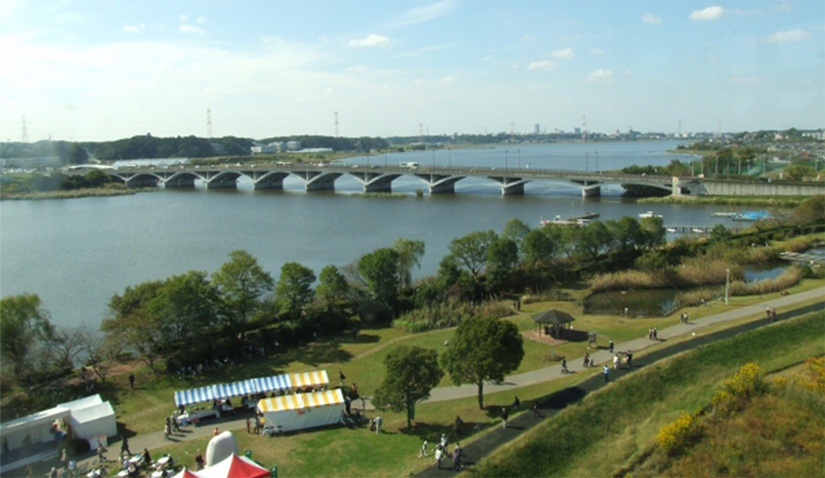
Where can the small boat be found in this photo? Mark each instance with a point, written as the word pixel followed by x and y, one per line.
pixel 671 230
pixel 649 214
pixel 698 230
pixel 723 214
pixel 751 215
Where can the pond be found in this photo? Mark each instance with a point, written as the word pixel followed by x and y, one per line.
pixel 660 302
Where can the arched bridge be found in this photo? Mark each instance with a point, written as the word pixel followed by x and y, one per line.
pixel 375 178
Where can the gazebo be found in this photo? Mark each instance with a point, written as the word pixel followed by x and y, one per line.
pixel 552 319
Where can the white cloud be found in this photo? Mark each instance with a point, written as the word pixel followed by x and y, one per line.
pixel 528 37
pixel 709 13
pixel 201 20
pixel 371 40
pixel 600 75
pixel 190 29
pixel 597 51
pixel 357 68
pixel 420 15
pixel 786 37
pixel 782 7
pixel 651 18
pixel 541 65
pixel 449 80
pixel 7 8
pixel 183 18
pixel 566 53
pixel 130 29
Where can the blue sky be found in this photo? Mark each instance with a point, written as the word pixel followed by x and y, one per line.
pixel 102 70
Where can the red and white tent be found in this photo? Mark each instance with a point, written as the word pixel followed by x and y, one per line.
pixel 185 473
pixel 234 467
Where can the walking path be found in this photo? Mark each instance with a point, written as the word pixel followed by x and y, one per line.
pixel 487 443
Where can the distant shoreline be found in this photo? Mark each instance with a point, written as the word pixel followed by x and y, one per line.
pixel 75 193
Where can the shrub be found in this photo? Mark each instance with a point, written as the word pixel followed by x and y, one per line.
pixel 447 314
pixel 678 434
pixel 746 383
pixel 789 278
pixel 697 297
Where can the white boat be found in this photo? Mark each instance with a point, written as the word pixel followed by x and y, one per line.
pixel 649 214
pixel 698 230
pixel 671 230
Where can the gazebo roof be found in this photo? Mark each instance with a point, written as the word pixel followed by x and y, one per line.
pixel 553 317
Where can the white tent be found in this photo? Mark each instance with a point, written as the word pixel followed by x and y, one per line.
pixel 35 428
pixel 303 410
pixel 94 421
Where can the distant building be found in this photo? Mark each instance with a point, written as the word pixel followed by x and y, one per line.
pixel 293 145
pixel 275 147
pixel 537 129
pixel 577 131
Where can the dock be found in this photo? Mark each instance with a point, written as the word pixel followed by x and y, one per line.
pixel 803 258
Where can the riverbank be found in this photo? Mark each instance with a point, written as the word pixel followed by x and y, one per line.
pixel 752 201
pixel 76 193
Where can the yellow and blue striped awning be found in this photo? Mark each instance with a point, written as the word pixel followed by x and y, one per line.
pixel 301 401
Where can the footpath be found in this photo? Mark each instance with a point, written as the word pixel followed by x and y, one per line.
pixel 519 424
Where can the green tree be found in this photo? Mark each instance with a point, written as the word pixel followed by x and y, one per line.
pixel 655 234
pixel 483 349
pixel 411 373
pixel 592 240
pixel 502 257
pixel 538 246
pixel 515 229
pixel 471 250
pixel 332 287
pixel 242 283
pixel 627 234
pixel 133 323
pixel 719 233
pixel 378 270
pixel 188 310
pixel 24 323
pixel 294 290
pixel 811 210
pixel 409 254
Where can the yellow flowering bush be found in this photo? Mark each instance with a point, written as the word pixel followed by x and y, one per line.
pixel 676 435
pixel 724 403
pixel 746 382
pixel 816 375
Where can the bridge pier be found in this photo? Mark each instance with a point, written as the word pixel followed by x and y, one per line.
pixel 513 189
pixel 591 191
pixel 376 183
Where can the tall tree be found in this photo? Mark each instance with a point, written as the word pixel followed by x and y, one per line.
pixel 410 252
pixel 23 324
pixel 502 256
pixel 379 272
pixel 471 250
pixel 537 246
pixel 411 373
pixel 654 230
pixel 483 349
pixel 242 283
pixel 332 287
pixel 515 229
pixel 135 324
pixel 294 290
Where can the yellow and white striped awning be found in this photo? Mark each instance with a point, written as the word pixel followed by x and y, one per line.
pixel 315 379
pixel 302 400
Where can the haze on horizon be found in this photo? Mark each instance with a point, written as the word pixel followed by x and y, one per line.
pixel 96 71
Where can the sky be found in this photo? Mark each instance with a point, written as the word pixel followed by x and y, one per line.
pixel 104 70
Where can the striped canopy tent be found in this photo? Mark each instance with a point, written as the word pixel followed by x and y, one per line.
pixel 317 379
pixel 235 389
pixel 303 410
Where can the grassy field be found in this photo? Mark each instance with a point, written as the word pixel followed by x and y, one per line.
pixel 361 360
pixel 613 427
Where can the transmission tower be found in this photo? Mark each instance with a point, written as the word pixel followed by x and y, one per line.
pixel 24 137
pixel 208 122
pixel 336 124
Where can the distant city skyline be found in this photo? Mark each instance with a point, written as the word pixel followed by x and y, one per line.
pixel 98 71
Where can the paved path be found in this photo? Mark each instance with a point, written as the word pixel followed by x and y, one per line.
pixel 551 405
pixel 487 443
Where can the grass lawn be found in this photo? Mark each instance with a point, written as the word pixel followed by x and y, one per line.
pixel 613 427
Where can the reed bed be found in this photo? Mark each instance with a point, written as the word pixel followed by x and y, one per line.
pixel 697 297
pixel 789 278
pixel 447 314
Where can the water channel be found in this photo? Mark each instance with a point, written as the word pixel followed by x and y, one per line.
pixel 76 253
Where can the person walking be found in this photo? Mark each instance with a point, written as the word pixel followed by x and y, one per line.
pixel 616 362
pixel 536 412
pixel 439 453
pixel 504 415
pixel 423 450
pixel 629 358
pixel 459 423
pixel 166 431
pixel 342 377
pixel 606 372
pixel 124 446
pixel 132 380
pixel 610 346
pixel 248 425
pixel 586 362
pixel 378 422
pixel 457 458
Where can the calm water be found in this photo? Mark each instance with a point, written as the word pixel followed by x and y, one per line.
pixel 75 254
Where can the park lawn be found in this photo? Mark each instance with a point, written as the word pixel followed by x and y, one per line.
pixel 613 427
pixel 145 410
pixel 340 451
